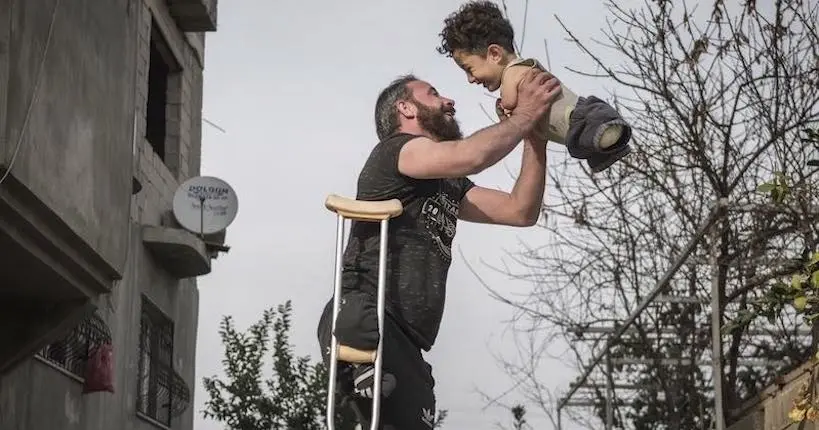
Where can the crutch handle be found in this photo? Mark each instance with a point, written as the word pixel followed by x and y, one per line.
pixel 352 355
pixel 362 210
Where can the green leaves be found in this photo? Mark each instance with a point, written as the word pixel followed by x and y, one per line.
pixel 292 398
pixel 800 303
pixel 778 188
pixel 797 280
pixel 801 292
pixel 766 187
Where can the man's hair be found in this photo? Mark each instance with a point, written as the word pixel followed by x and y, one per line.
pixel 386 109
pixel 474 27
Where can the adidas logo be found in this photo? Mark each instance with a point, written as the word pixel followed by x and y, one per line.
pixel 428 417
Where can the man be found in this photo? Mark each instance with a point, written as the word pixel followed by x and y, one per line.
pixel 423 161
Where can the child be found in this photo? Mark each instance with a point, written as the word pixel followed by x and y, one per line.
pixel 480 41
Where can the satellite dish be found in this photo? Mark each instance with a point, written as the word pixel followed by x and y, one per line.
pixel 205 205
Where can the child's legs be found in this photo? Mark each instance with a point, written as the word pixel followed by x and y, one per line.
pixel 597 131
pixel 555 127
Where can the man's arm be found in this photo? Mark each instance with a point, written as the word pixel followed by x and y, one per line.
pixel 424 158
pixel 521 207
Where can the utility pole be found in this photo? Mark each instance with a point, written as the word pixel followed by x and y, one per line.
pixel 716 326
pixel 609 392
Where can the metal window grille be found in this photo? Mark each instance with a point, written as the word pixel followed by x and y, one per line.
pixel 163 394
pixel 70 352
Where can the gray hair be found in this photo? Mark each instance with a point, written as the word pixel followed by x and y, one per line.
pixel 386 109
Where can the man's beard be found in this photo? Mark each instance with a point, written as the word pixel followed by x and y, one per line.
pixel 437 123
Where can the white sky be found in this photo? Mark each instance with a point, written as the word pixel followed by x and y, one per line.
pixel 294 85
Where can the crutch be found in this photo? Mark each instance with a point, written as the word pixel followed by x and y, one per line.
pixel 363 211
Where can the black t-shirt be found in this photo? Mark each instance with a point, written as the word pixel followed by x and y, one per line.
pixel 419 241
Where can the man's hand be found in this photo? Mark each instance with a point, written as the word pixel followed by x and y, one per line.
pixel 536 93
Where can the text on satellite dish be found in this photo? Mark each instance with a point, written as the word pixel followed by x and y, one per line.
pixel 208 192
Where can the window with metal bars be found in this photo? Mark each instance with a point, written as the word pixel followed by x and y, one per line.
pixel 70 353
pixel 155 397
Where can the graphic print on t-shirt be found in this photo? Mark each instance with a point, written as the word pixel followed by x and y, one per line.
pixel 440 215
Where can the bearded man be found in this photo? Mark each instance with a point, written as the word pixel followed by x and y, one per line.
pixel 423 160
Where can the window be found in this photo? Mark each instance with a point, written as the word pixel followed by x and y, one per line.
pixel 154 398
pixel 164 91
pixel 70 353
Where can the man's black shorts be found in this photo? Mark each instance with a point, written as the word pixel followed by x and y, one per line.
pixel 411 405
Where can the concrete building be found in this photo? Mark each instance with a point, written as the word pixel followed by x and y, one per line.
pixel 100 121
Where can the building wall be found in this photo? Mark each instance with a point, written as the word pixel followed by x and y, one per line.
pixel 111 43
pixel 88 58
pixel 39 395
pixel 770 410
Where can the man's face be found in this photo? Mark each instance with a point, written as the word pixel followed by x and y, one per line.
pixel 435 114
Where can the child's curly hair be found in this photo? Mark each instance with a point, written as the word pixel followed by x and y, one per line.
pixel 475 26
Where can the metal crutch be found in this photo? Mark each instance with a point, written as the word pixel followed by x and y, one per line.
pixel 363 211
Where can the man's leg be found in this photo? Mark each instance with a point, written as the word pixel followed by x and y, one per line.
pixel 408 401
pixel 344 380
pixel 411 404
pixel 357 327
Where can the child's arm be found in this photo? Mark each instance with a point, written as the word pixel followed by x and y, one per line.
pixel 509 85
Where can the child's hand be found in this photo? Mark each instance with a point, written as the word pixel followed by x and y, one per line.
pixel 536 93
pixel 502 112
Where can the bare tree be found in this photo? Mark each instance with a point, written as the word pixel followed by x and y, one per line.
pixel 718 95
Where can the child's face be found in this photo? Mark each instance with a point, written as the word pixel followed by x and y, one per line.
pixel 486 69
